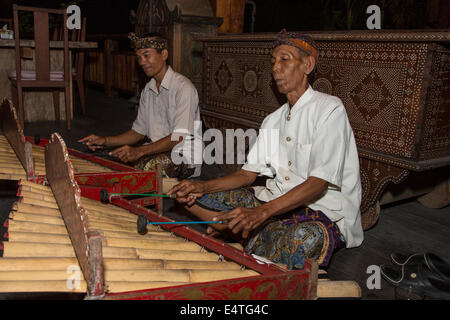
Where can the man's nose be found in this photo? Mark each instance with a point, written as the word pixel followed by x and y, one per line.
pixel 275 67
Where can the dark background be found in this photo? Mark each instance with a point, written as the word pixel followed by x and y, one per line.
pixel 112 16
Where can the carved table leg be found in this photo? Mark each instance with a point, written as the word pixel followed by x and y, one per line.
pixel 375 176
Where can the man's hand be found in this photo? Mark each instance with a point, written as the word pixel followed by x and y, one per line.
pixel 93 142
pixel 244 220
pixel 187 191
pixel 127 153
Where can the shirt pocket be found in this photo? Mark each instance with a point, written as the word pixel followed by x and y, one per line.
pixel 302 155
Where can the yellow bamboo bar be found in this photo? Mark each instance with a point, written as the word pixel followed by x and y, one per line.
pixel 39 237
pixel 122 286
pixel 28 264
pixel 155 244
pixel 13 170
pixel 31 217
pixel 30 208
pixel 41 286
pixel 179 264
pixel 30 249
pixel 26 226
pixel 49 264
pixel 35 185
pixel 40 250
pixel 39 275
pixel 336 289
pixel 40 203
pixel 176 255
pixel 131 242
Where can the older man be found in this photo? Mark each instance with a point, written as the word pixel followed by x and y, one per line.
pixel 310 204
pixel 168 113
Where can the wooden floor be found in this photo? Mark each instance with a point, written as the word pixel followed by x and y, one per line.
pixel 403 227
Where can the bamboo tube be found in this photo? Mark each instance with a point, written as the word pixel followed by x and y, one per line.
pixel 40 286
pixel 28 264
pixel 13 170
pixel 216 265
pixel 16 165
pixel 25 226
pixel 49 264
pixel 123 286
pixel 40 203
pixel 30 217
pixel 215 275
pixel 130 242
pixel 29 208
pixel 147 275
pixel 155 244
pixel 37 196
pixel 39 275
pixel 188 276
pixel 35 185
pixel 29 249
pixel 119 234
pixel 336 289
pixel 176 255
pixel 39 237
pixel 41 250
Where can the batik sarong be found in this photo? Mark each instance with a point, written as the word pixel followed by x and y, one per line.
pixel 290 238
pixel 169 169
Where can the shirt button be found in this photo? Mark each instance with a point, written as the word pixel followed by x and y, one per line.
pixel 288 139
pixel 289 163
pixel 288 118
pixel 286 178
pixel 268 165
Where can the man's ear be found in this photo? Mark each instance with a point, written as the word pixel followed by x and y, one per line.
pixel 165 54
pixel 310 64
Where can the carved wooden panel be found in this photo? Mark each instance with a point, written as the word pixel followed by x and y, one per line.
pixel 395 87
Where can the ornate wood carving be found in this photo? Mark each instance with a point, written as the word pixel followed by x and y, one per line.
pixel 394 85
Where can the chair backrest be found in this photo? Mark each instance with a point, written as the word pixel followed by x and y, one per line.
pixel 74 35
pixel 8 22
pixel 42 41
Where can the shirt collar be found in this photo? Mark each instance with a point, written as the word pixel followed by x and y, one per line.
pixel 302 100
pixel 165 83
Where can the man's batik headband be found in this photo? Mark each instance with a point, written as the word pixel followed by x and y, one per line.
pixel 147 42
pixel 301 41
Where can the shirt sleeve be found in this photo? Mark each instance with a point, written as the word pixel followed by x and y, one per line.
pixel 184 113
pixel 329 147
pixel 141 123
pixel 258 155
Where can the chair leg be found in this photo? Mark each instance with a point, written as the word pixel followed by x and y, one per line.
pixel 80 85
pixel 56 104
pixel 68 111
pixel 17 96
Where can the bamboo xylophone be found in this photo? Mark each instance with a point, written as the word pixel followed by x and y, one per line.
pixel 38 255
pixel 12 169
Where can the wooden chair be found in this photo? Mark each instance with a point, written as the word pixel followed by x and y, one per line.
pixel 8 22
pixel 77 59
pixel 42 76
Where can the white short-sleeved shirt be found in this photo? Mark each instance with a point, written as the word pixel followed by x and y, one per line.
pixel 314 138
pixel 172 110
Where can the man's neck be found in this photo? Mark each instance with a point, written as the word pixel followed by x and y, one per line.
pixel 159 76
pixel 293 96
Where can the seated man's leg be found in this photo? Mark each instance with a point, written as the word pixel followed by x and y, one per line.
pixel 170 169
pixel 305 234
pixel 211 204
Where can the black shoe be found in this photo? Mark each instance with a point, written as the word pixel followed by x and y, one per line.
pixel 432 261
pixel 418 279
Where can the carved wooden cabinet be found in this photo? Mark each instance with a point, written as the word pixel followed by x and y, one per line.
pixel 395 87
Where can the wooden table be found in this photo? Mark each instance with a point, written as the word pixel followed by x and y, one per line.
pixel 38 105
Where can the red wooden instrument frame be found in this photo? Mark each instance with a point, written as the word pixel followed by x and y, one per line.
pixel 274 283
